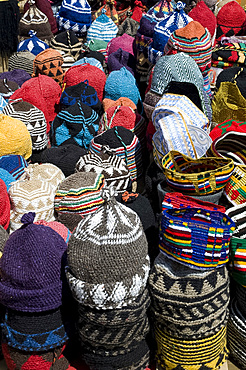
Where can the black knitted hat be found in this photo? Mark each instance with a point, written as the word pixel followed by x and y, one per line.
pixel 93 54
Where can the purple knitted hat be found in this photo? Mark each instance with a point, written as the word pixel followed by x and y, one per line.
pixel 17 75
pixel 31 268
pixel 121 58
pixel 125 42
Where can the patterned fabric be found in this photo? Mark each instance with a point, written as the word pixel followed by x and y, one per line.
pixel 161 10
pixel 231 20
pixel 110 11
pixel 22 60
pixel 33 44
pixel 67 42
pixel 3 103
pixel 49 62
pixel 198 176
pixel 103 28
pixel 196 237
pixel 229 55
pixel 238 215
pixel 14 164
pixel 237 260
pixel 235 189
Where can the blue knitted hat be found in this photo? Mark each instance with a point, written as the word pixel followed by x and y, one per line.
pixel 91 61
pixel 34 44
pixel 122 84
pixel 6 177
pixel 74 15
pixel 15 164
pixel 103 28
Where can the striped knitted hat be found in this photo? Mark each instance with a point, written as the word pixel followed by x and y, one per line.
pixel 34 120
pixel 45 7
pixel 7 88
pixel 238 215
pixel 3 103
pixel 22 60
pixel 161 10
pixel 103 28
pixel 75 16
pixel 92 61
pixel 123 143
pixel 194 40
pixel 115 233
pixel 190 304
pixel 237 260
pixel 67 42
pixel 112 167
pixel 77 124
pixel 195 237
pixel 33 44
pixel 79 193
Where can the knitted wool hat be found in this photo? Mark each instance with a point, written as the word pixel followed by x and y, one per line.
pixel 128 27
pixel 79 193
pixel 109 9
pixel 194 40
pixel 29 289
pixel 4 237
pixel 121 58
pixel 44 93
pixel 7 178
pixel 33 44
pixel 33 332
pixel 81 92
pixel 227 126
pixel 103 28
pixel 65 157
pixel 218 6
pixel 238 215
pixel 210 352
pixel 35 20
pixel 163 30
pixel 138 11
pixel 31 196
pixel 122 84
pixel 124 42
pixel 74 16
pixel 19 76
pixel 123 143
pixel 166 70
pixel 58 227
pixel 92 61
pixel 112 167
pixel 15 137
pixel 45 7
pixel 195 237
pixel 49 62
pixel 47 172
pixel 237 258
pixel 92 54
pixel 118 116
pixel 161 10
pixel 7 88
pixel 116 281
pixel 67 42
pixel 202 14
pixel 123 101
pixel 240 297
pixel 98 45
pixel 15 164
pixel 231 20
pixel 95 77
pixel 189 303
pixel 235 190
pixel 4 206
pixel 35 361
pixel 77 124
pixel 34 120
pixel 3 103
pixel 22 60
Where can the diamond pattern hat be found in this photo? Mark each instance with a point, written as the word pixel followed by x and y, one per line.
pixel 33 44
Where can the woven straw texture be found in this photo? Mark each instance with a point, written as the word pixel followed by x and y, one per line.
pixel 235 189
pixel 237 260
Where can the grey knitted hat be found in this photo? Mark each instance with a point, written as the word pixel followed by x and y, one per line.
pixel 108 262
pixel 3 238
pixel 191 304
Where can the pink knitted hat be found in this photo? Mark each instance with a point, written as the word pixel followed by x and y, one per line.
pixel 125 42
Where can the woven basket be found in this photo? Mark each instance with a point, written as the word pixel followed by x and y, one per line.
pixel 235 189
pixel 196 237
pixel 238 260
pixel 196 176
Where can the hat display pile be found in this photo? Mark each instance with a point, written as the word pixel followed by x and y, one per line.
pixel 122 184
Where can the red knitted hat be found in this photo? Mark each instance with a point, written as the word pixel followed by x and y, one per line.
pixel 4 205
pixel 44 93
pixel 226 126
pixel 45 7
pixel 117 116
pixel 202 14
pixel 96 78
pixel 231 20
pixel 138 11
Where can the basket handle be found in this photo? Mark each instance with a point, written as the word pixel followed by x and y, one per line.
pixel 212 182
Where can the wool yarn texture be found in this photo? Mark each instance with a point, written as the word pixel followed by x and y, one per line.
pixel 124 42
pixel 122 101
pixel 120 59
pixel 74 16
pixel 33 44
pixel 77 124
pixel 66 42
pixel 44 93
pixel 102 28
pixel 4 206
pixel 15 137
pixel 93 53
pixel 112 167
pixel 161 10
pixel 92 61
pixel 117 116
pixel 31 195
pixel 238 214
pixel 129 27
pixel 188 303
pixel 235 190
pixel 17 75
pixel 22 60
pixel 3 103
pixel 109 9
pixel 196 237
pixel 65 157
pixel 15 164
pixel 4 237
pixel 228 74
pixel 115 282
pixel 240 298
pixel 45 7
pixel 96 78
pixel 231 20
pixel 81 92
pixel 237 258
pixel 7 178
pixel 58 227
pixel 49 62
pixel 34 120
pixel 79 193
pixel 7 88
pixel 210 352
pixel 29 289
pixel 123 143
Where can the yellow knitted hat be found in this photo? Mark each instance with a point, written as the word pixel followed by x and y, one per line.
pixel 14 137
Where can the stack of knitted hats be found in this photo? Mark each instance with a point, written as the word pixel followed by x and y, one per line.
pixel 34 330
pixel 237 317
pixel 189 287
pixel 108 267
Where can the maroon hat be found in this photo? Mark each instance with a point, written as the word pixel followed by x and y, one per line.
pixel 45 7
